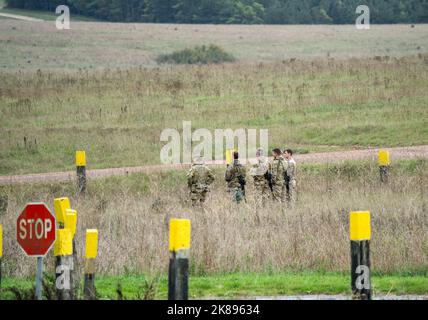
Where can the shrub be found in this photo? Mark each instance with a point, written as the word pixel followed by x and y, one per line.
pixel 198 55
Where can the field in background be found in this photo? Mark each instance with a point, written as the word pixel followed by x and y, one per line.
pixel 132 214
pixel 316 88
pixel 117 116
pixel 38 45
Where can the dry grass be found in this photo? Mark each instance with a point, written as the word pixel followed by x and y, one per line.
pixel 132 216
pixel 117 116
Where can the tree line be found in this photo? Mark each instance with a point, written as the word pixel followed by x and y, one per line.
pixel 238 11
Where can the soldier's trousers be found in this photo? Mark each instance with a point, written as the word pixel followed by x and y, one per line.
pixel 261 194
pixel 277 191
pixel 198 196
pixel 291 192
pixel 237 194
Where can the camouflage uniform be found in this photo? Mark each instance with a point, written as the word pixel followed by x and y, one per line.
pixel 235 174
pixel 261 187
pixel 277 168
pixel 291 181
pixel 199 179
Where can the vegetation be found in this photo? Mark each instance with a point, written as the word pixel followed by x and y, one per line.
pixel 198 55
pixel 132 214
pixel 234 285
pixel 239 11
pixel 87 46
pixel 117 116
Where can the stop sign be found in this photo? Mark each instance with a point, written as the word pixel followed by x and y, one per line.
pixel 36 229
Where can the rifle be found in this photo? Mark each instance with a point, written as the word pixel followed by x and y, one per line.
pixel 268 177
pixel 287 181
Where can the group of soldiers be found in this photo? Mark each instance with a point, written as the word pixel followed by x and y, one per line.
pixel 275 179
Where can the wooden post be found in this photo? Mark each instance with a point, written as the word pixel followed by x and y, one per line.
pixel 1 254
pixel 384 162
pixel 63 252
pixel 91 250
pixel 179 245
pixel 81 171
pixel 71 224
pixel 359 230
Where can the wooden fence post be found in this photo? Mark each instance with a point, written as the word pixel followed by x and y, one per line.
pixel 71 224
pixel 81 171
pixel 1 254
pixel 384 162
pixel 63 251
pixel 179 246
pixel 360 233
pixel 91 250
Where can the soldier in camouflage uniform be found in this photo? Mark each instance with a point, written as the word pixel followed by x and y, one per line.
pixel 235 177
pixel 199 179
pixel 277 169
pixel 258 172
pixel 290 177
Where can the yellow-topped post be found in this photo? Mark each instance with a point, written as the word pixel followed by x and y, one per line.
pixel 71 224
pixel 71 221
pixel 384 162
pixel 1 241
pixel 229 156
pixel 81 171
pixel 64 265
pixel 91 246
pixel 179 246
pixel 359 235
pixel 91 251
pixel 1 253
pixel 60 207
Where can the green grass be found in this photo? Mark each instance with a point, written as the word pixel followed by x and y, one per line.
pixel 229 286
pixel 124 45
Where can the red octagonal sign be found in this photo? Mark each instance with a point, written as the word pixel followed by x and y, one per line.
pixel 36 229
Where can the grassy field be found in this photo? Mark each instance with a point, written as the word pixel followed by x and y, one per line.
pixel 110 45
pixel 238 285
pixel 132 214
pixel 117 116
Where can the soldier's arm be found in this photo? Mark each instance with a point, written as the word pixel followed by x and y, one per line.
pixel 292 169
pixel 244 172
pixel 228 174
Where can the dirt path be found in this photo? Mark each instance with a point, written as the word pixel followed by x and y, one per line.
pixel 325 157
pixel 19 17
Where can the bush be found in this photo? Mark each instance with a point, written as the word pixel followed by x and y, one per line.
pixel 197 55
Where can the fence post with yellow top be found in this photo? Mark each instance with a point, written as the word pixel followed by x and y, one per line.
pixel 1 253
pixel 71 224
pixel 359 235
pixel 61 205
pixel 229 156
pixel 91 251
pixel 384 163
pixel 63 251
pixel 179 246
pixel 81 171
